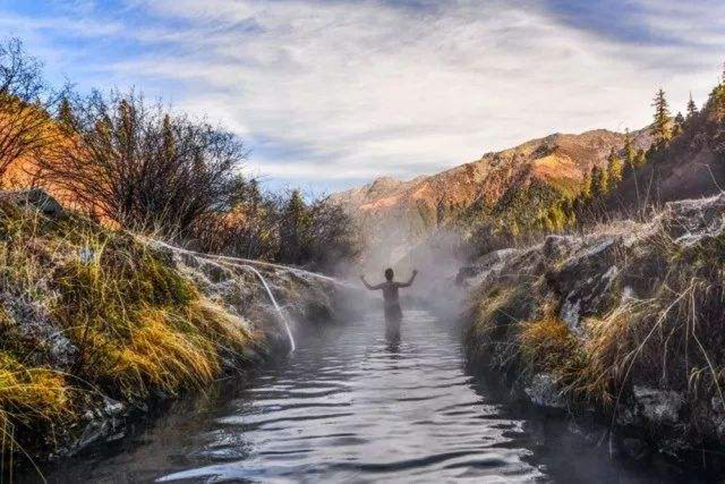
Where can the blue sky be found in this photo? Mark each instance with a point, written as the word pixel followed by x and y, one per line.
pixel 332 93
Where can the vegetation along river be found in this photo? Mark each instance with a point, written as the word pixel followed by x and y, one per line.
pixel 352 405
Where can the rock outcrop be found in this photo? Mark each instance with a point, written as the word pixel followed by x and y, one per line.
pixel 626 320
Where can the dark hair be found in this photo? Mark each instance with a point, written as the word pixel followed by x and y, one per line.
pixel 389 274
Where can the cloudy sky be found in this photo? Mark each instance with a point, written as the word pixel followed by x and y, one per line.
pixel 332 93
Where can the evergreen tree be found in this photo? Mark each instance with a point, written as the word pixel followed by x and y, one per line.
pixel 586 189
pixel 567 206
pixel 641 158
pixel 615 169
pixel 556 218
pixel 717 100
pixel 293 233
pixel 255 195
pixel 65 113
pixel 678 125
pixel 691 108
pixel 629 153
pixel 661 127
pixel 513 229
pixel 600 182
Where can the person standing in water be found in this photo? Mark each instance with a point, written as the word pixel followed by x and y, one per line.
pixel 393 313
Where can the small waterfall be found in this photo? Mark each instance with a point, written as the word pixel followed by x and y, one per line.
pixel 281 313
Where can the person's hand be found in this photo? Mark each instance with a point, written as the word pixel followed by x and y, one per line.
pixel 362 277
pixel 415 272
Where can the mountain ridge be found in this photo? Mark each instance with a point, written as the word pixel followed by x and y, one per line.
pixel 399 214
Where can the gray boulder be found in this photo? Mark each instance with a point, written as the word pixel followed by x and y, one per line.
pixel 544 392
pixel 586 280
pixel 688 221
pixel 31 324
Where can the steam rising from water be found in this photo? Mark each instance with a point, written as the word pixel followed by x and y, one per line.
pixel 433 255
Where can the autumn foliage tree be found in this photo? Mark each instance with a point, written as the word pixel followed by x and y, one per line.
pixel 25 104
pixel 142 167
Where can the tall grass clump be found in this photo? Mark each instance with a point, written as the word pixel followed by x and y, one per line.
pixel 672 337
pixel 496 319
pixel 547 344
pixel 127 322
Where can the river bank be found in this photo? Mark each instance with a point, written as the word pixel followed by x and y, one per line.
pixel 622 323
pixel 352 404
pixel 99 325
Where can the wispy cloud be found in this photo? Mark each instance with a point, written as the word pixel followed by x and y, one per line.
pixel 334 92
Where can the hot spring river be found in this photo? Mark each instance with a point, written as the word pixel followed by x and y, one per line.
pixel 351 406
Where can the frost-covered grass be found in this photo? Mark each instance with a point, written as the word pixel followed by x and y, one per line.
pixel 661 326
pixel 86 311
pixel 671 334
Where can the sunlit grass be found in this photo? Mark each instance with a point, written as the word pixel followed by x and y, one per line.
pixel 137 324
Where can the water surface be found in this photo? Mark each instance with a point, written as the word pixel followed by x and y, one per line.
pixel 354 405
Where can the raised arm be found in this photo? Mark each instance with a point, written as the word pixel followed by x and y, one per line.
pixel 372 288
pixel 410 281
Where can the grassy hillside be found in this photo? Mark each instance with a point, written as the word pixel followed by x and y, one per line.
pixel 504 193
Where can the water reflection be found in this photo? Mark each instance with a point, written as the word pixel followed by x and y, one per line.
pixel 392 337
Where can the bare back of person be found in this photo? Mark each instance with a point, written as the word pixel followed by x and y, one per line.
pixel 391 298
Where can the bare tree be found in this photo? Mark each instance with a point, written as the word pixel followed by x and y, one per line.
pixel 141 166
pixel 333 234
pixel 26 102
pixel 250 229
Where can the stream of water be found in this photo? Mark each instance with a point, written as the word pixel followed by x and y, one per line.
pixel 352 405
pixel 280 313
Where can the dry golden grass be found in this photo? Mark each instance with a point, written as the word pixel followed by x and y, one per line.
pixel 669 336
pixel 137 323
pixel 496 317
pixel 27 393
pixel 159 356
pixel 546 343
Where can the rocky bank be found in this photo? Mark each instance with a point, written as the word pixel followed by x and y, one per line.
pixel 624 323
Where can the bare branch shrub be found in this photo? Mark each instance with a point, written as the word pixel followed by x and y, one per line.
pixel 142 167
pixel 26 127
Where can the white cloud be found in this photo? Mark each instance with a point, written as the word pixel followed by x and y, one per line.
pixel 341 90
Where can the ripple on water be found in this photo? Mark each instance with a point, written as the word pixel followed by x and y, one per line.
pixel 348 405
pixel 355 406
